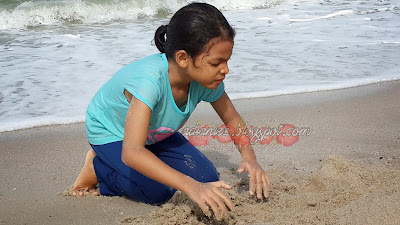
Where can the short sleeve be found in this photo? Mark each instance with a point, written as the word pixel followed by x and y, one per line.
pixel 146 90
pixel 212 95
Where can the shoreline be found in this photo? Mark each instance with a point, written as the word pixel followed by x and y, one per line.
pixel 345 92
pixel 353 129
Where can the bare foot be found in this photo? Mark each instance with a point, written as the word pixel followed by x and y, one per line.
pixel 85 183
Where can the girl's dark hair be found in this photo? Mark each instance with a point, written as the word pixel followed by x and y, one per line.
pixel 191 28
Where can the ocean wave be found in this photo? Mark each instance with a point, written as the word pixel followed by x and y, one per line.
pixel 38 122
pixel 307 89
pixel 19 14
pixel 52 120
pixel 343 13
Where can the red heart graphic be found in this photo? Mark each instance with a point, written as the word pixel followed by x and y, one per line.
pixel 285 136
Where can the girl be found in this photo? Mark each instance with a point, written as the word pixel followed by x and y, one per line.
pixel 133 120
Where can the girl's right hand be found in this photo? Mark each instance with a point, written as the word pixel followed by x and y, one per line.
pixel 208 195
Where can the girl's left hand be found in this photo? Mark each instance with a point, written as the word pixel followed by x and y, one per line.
pixel 259 181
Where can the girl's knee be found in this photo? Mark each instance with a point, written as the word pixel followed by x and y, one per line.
pixel 209 174
pixel 159 196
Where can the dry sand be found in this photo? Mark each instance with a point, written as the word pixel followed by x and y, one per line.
pixel 347 171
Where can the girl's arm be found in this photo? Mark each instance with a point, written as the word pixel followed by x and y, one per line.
pixel 136 156
pixel 259 181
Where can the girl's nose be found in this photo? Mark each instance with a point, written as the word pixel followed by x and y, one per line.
pixel 225 70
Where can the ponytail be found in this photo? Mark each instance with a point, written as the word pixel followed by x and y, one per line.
pixel 160 38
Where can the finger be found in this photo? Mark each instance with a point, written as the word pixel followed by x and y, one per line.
pixel 214 208
pixel 226 199
pixel 266 186
pixel 204 207
pixel 221 184
pixel 252 184
pixel 240 170
pixel 220 204
pixel 268 181
pixel 259 189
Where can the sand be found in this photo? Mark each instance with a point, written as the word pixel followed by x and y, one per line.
pixel 346 171
pixel 338 187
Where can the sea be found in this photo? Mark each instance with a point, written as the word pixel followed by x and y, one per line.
pixel 55 54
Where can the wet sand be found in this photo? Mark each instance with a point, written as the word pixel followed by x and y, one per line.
pixel 347 170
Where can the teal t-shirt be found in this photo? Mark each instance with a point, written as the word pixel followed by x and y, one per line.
pixel 147 79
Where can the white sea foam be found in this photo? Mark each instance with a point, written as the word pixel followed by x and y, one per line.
pixel 36 122
pixel 331 15
pixel 343 13
pixel 311 88
pixel 391 42
pixel 38 12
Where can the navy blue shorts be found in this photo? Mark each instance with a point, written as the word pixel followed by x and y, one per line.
pixel 117 179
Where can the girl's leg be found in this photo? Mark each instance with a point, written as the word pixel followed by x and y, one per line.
pixel 115 178
pixel 137 186
pixel 86 181
pixel 178 153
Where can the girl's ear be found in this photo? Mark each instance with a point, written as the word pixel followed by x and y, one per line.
pixel 182 58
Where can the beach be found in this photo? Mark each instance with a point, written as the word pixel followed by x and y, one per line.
pixel 345 171
pixel 329 69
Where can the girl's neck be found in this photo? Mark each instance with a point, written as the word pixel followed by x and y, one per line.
pixel 177 76
pixel 180 83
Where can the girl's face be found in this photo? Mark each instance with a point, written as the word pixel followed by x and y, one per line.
pixel 210 67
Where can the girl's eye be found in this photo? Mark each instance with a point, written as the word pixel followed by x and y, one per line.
pixel 215 64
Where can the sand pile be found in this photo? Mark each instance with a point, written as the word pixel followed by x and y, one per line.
pixel 338 192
